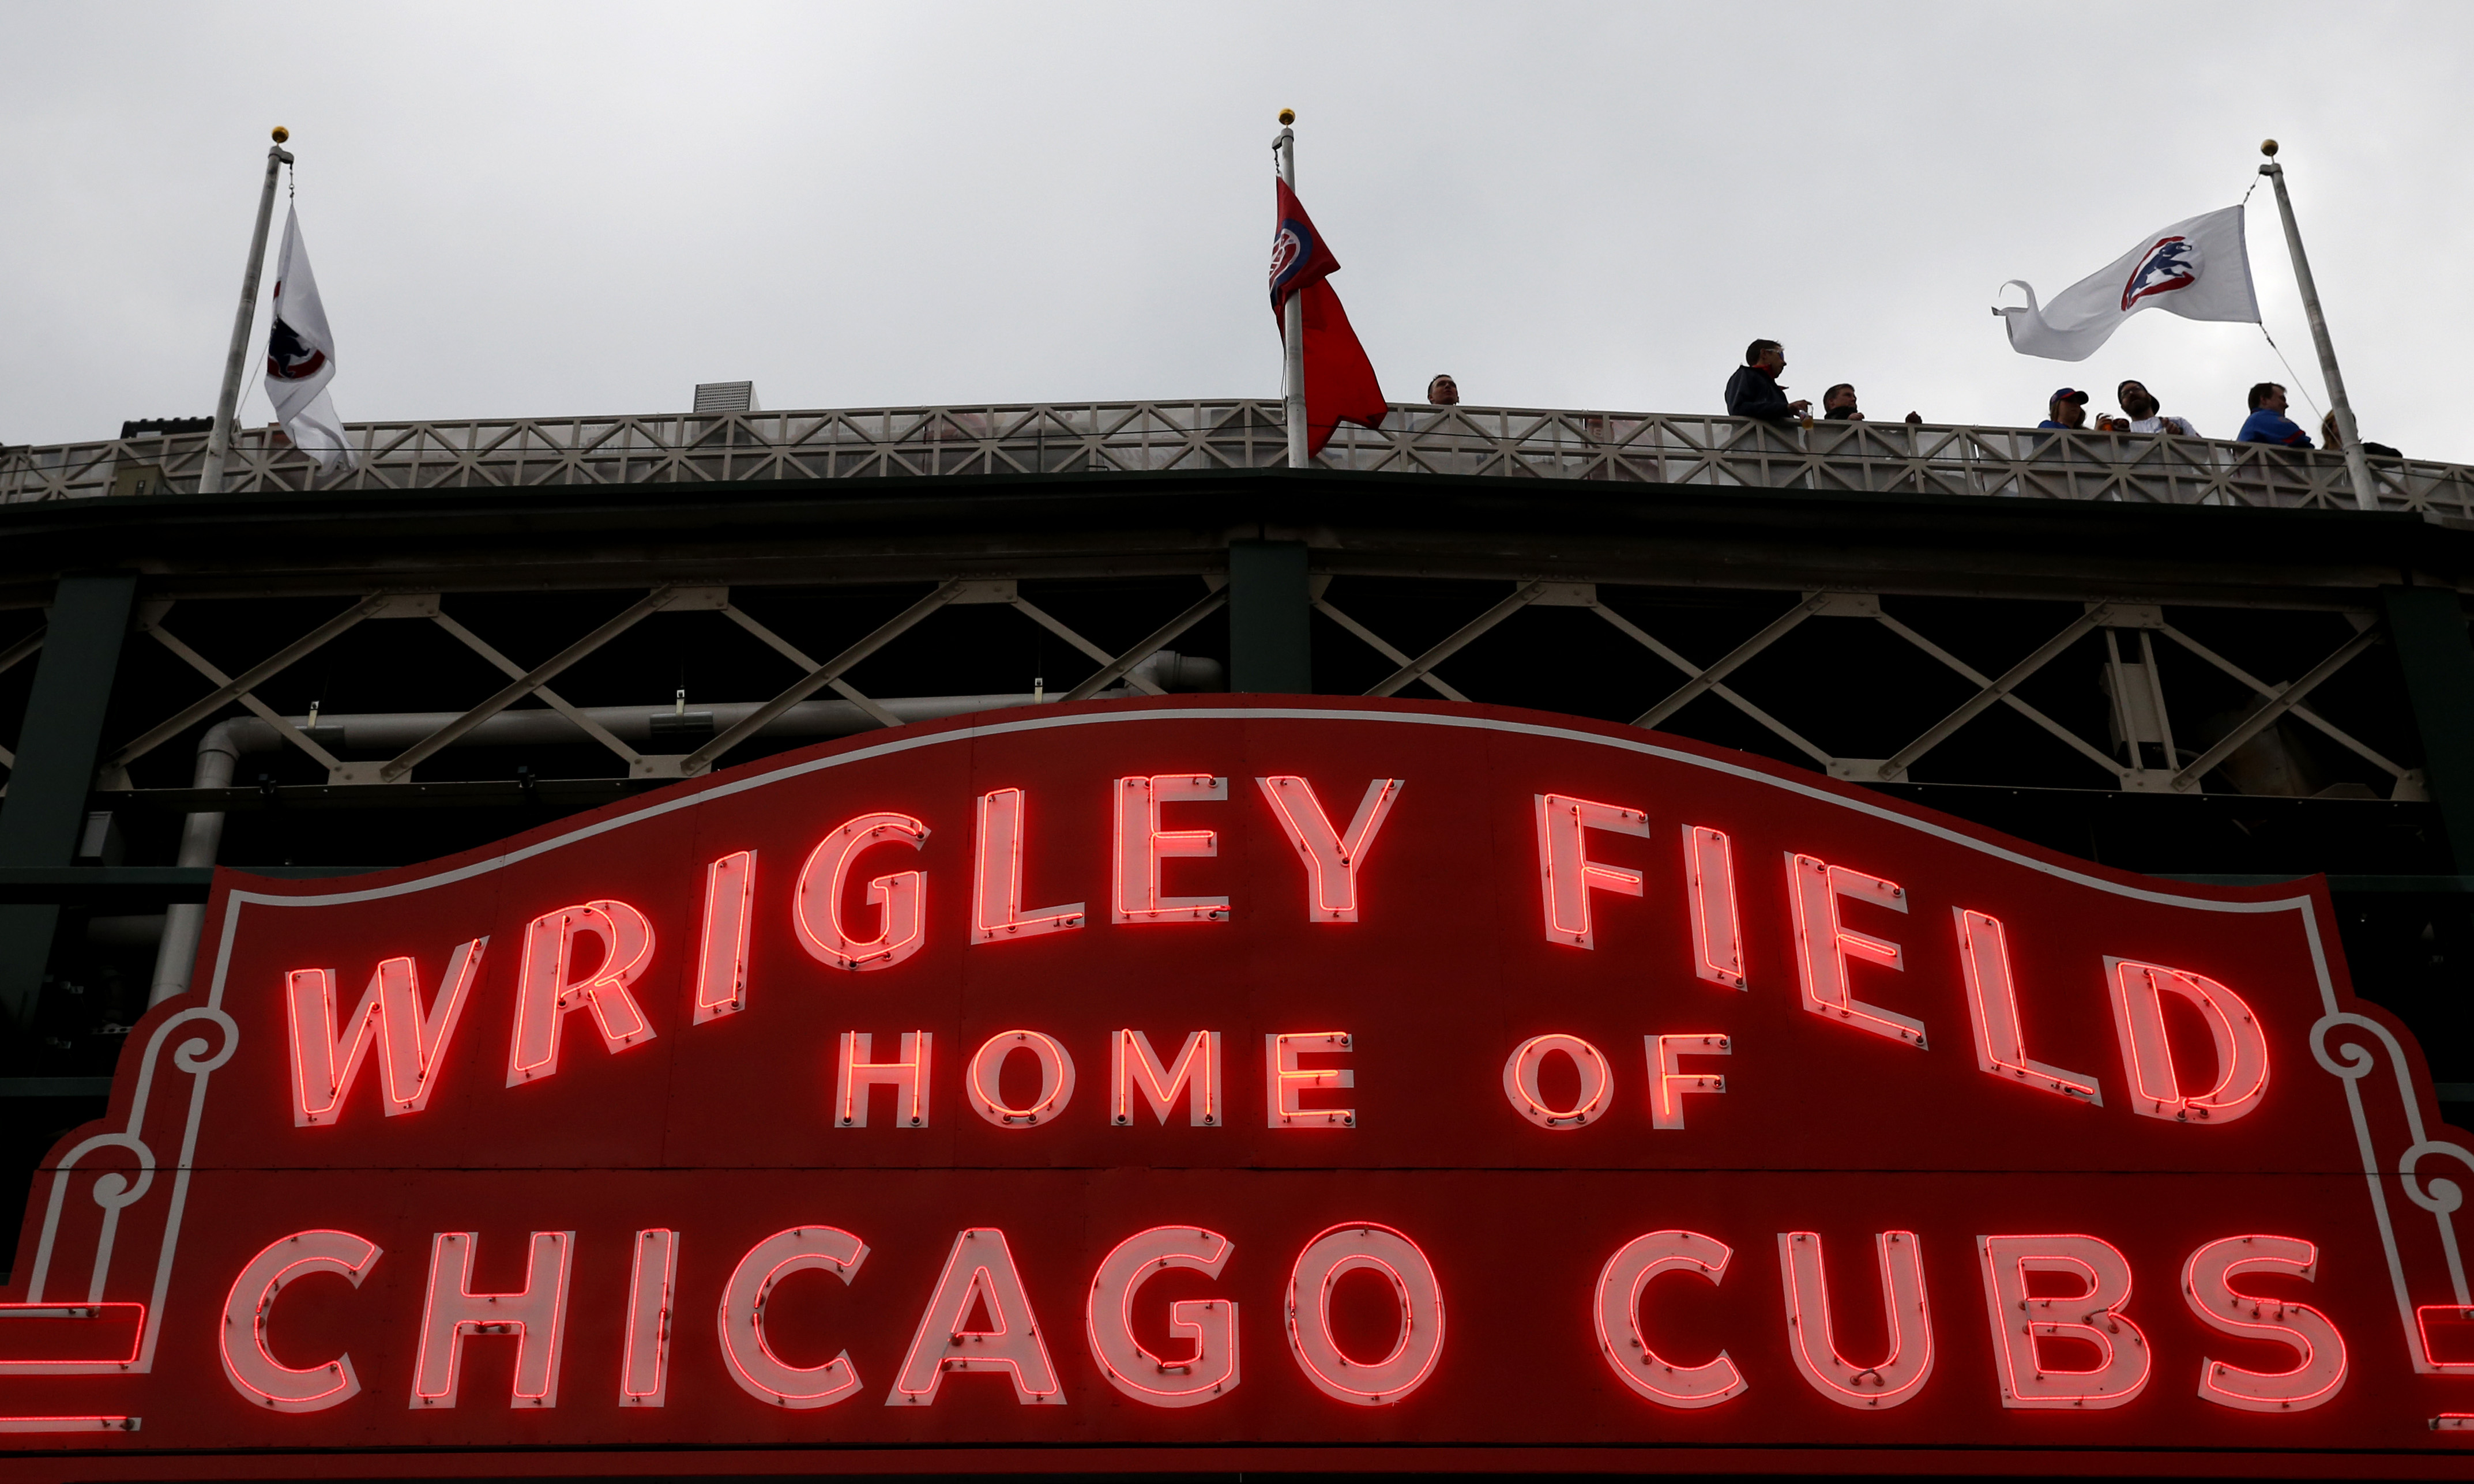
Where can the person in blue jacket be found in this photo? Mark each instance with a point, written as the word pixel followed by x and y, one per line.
pixel 2068 409
pixel 2268 423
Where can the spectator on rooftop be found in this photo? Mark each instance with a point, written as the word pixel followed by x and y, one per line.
pixel 2145 415
pixel 1838 404
pixel 1444 391
pixel 2067 408
pixel 1755 391
pixel 2336 441
pixel 2268 423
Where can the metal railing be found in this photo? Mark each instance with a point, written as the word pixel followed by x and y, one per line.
pixel 1875 457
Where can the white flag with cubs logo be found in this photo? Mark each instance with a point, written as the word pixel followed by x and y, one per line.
pixel 2199 268
pixel 300 357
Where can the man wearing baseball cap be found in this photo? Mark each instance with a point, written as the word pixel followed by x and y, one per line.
pixel 2068 409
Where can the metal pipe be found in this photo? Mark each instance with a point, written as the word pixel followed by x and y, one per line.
pixel 219 752
pixel 1292 323
pixel 2357 463
pixel 202 836
pixel 210 478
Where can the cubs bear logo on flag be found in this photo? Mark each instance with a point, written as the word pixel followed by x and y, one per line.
pixel 1339 380
pixel 300 357
pixel 1299 255
pixel 2174 263
pixel 287 358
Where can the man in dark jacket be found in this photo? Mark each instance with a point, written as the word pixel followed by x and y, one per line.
pixel 1754 389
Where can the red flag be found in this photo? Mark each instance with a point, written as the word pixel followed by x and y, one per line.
pixel 1339 380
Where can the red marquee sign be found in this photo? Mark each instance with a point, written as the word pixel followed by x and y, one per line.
pixel 1215 1082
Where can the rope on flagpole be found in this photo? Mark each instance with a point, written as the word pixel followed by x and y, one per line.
pixel 2298 382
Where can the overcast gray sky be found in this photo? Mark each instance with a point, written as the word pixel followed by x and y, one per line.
pixel 573 208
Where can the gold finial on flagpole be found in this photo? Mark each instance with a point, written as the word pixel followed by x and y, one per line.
pixel 281 134
pixel 1288 115
pixel 2267 146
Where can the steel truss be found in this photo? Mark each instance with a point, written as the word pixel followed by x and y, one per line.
pixel 1237 433
pixel 2125 638
pixel 2150 722
pixel 1113 670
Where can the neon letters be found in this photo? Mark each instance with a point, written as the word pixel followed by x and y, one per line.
pixel 1624 1343
pixel 1669 1082
pixel 1905 1315
pixel 249 1364
pixel 907 1075
pixel 410 1045
pixel 979 1271
pixel 1824 946
pixel 2020 1320
pixel 1993 1009
pixel 1211 1324
pixel 1332 858
pixel 996 880
pixel 2318 1368
pixel 1141 844
pixel 1371 1247
pixel 752 1363
pixel 2146 1056
pixel 1133 1064
pixel 644 1369
pixel 1710 885
pixel 535 1314
pixel 901 896
pixel 1520 1081
pixel 1285 1082
pixel 1055 1079
pixel 1166 1296
pixel 1566 873
pixel 981 1275
pixel 549 988
pixel 722 956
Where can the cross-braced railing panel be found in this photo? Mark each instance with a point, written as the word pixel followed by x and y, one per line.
pixel 1870 689
pixel 608 663
pixel 1883 458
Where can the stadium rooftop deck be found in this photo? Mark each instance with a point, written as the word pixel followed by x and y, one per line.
pixel 1883 458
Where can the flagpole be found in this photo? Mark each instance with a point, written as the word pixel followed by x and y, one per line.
pixel 1293 329
pixel 210 479
pixel 2357 463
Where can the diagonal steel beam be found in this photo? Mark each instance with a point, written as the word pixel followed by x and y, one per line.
pixel 1380 646
pixel 1045 620
pixel 1690 690
pixel 1991 691
pixel 248 699
pixel 1648 641
pixel 2261 720
pixel 557 702
pixel 817 679
pixel 2338 734
pixel 524 684
pixel 9 657
pixel 1416 669
pixel 799 657
pixel 1123 664
pixel 230 688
